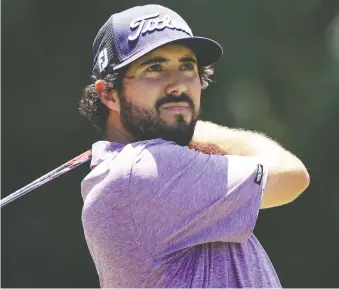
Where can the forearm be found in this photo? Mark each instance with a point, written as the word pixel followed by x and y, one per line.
pixel 238 142
pixel 284 167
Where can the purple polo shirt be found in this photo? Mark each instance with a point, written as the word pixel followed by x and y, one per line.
pixel 157 214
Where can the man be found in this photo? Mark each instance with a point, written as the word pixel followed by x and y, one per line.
pixel 172 201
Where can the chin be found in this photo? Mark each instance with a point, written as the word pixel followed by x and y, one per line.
pixel 179 119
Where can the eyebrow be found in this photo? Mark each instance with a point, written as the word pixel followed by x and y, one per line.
pixel 154 60
pixel 160 59
pixel 188 59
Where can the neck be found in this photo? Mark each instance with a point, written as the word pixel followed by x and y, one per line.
pixel 115 132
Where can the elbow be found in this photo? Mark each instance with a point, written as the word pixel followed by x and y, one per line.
pixel 288 185
pixel 301 182
pixel 304 179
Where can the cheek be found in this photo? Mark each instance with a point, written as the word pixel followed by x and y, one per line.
pixel 194 89
pixel 142 93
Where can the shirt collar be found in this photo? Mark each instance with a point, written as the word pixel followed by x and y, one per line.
pixel 102 150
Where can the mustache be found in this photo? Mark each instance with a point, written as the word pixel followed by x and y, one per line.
pixel 170 98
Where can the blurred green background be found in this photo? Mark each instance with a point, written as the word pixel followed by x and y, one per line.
pixel 279 75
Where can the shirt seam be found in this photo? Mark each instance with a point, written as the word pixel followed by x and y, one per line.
pixel 228 264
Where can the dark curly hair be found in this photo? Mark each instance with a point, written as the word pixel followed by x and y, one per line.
pixel 91 106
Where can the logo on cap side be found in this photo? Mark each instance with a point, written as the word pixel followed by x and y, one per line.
pixel 102 59
pixel 149 23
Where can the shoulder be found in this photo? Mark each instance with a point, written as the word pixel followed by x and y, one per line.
pixel 159 154
pixel 164 149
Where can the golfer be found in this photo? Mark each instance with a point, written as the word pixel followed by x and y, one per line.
pixel 172 201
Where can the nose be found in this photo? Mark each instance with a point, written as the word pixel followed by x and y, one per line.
pixel 176 87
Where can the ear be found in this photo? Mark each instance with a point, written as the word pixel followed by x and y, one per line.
pixel 108 97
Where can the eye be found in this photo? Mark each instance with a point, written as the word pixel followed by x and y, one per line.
pixel 154 67
pixel 187 66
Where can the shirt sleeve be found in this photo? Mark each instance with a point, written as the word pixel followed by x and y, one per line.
pixel 181 197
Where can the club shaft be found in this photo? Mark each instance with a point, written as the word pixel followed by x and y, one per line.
pixel 77 161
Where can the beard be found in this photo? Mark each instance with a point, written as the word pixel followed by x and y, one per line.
pixel 145 124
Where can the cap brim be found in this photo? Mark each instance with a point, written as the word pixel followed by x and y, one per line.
pixel 207 50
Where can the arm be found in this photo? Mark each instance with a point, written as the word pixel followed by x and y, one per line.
pixel 287 176
pixel 180 197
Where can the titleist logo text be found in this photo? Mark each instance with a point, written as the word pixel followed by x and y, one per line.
pixel 153 22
